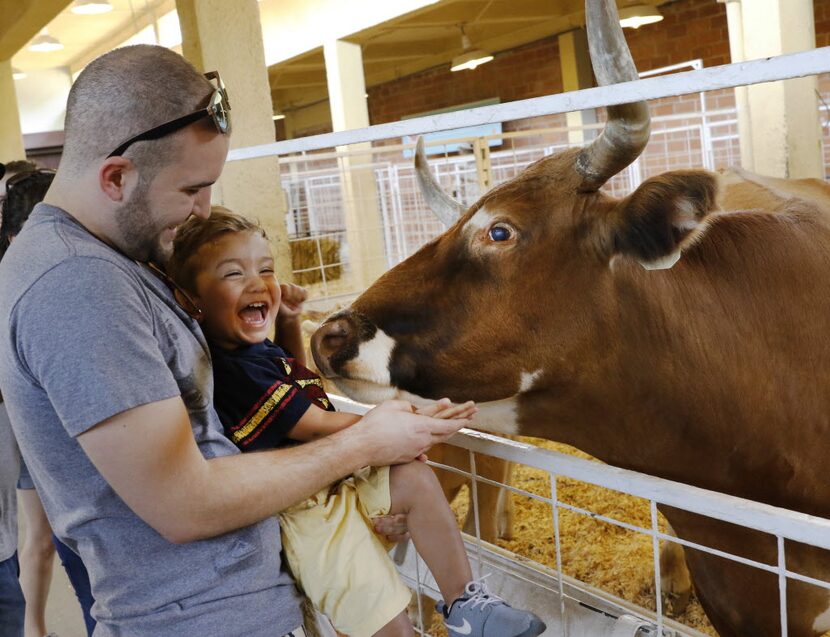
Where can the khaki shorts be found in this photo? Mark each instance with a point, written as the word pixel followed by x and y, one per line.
pixel 338 560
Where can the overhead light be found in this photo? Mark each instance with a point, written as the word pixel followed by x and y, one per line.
pixel 91 7
pixel 45 43
pixel 17 74
pixel 471 58
pixel 278 116
pixel 636 16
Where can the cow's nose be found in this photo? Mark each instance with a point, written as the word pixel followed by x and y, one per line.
pixel 330 339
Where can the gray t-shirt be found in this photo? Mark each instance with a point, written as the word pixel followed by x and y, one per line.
pixel 92 334
pixel 9 468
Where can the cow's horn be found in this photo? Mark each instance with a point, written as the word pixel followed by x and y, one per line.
pixel 627 129
pixel 442 205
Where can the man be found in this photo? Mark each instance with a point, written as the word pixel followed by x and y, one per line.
pixel 108 380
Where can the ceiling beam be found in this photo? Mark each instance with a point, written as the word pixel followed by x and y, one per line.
pixel 21 20
pixel 143 18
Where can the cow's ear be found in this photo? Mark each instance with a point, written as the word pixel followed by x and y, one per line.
pixel 663 215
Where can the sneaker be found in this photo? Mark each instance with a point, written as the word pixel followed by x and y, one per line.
pixel 479 613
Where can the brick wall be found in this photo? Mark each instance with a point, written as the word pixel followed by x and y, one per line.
pixel 821 9
pixel 527 71
pixel 691 29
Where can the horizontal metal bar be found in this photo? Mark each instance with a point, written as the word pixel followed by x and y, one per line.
pixel 755 515
pixel 781 67
pixel 634 527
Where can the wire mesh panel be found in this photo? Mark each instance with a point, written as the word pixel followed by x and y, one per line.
pixel 382 186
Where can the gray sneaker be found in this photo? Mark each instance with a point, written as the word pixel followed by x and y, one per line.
pixel 479 613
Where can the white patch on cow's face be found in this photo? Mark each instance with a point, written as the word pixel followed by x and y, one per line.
pixel 663 263
pixel 372 361
pixel 821 624
pixel 481 219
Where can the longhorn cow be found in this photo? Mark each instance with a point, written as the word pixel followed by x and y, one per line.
pixel 543 304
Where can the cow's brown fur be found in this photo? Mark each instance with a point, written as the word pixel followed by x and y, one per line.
pixel 715 372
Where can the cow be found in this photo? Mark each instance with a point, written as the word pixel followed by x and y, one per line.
pixel 679 331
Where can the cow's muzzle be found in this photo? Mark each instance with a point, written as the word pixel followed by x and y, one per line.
pixel 337 341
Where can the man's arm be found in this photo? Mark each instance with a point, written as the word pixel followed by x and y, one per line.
pixel 150 458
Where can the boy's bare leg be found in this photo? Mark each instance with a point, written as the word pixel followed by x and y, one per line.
pixel 417 493
pixel 400 626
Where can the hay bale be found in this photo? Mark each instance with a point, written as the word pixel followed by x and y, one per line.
pixel 307 253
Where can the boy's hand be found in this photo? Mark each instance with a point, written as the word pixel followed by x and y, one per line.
pixel 447 410
pixel 293 297
pixel 392 433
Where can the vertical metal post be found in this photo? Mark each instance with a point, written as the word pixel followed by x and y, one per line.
pixel 558 545
pixel 655 544
pixel 474 498
pixel 782 584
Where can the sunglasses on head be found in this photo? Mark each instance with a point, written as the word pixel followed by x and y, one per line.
pixel 218 109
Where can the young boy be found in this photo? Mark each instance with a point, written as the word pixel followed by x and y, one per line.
pixel 266 398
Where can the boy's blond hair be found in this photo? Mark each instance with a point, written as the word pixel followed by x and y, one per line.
pixel 183 266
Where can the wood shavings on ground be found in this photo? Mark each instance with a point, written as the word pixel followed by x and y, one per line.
pixel 609 557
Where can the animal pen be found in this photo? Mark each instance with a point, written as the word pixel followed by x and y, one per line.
pixel 366 188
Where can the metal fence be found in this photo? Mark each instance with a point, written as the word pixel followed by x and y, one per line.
pixel 318 199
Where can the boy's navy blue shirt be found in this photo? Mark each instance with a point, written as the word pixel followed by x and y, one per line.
pixel 261 392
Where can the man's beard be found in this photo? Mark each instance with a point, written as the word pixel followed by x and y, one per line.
pixel 140 239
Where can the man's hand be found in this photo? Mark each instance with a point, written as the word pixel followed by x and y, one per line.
pixel 394 433
pixel 291 304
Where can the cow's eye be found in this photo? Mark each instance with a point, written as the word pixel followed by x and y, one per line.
pixel 500 232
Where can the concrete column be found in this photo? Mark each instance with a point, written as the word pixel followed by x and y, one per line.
pixel 780 127
pixel 577 74
pixel 11 138
pixel 230 41
pixel 347 100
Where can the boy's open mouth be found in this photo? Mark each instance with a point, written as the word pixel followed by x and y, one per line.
pixel 254 314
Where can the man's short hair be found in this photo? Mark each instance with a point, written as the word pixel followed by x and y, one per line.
pixel 123 93
pixel 183 266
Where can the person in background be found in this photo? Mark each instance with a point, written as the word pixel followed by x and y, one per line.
pixel 22 192
pixel 9 170
pixel 12 603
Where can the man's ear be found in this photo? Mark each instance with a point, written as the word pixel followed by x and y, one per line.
pixel 113 176
pixel 666 213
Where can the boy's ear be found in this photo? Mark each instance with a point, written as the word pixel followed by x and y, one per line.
pixel 665 214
